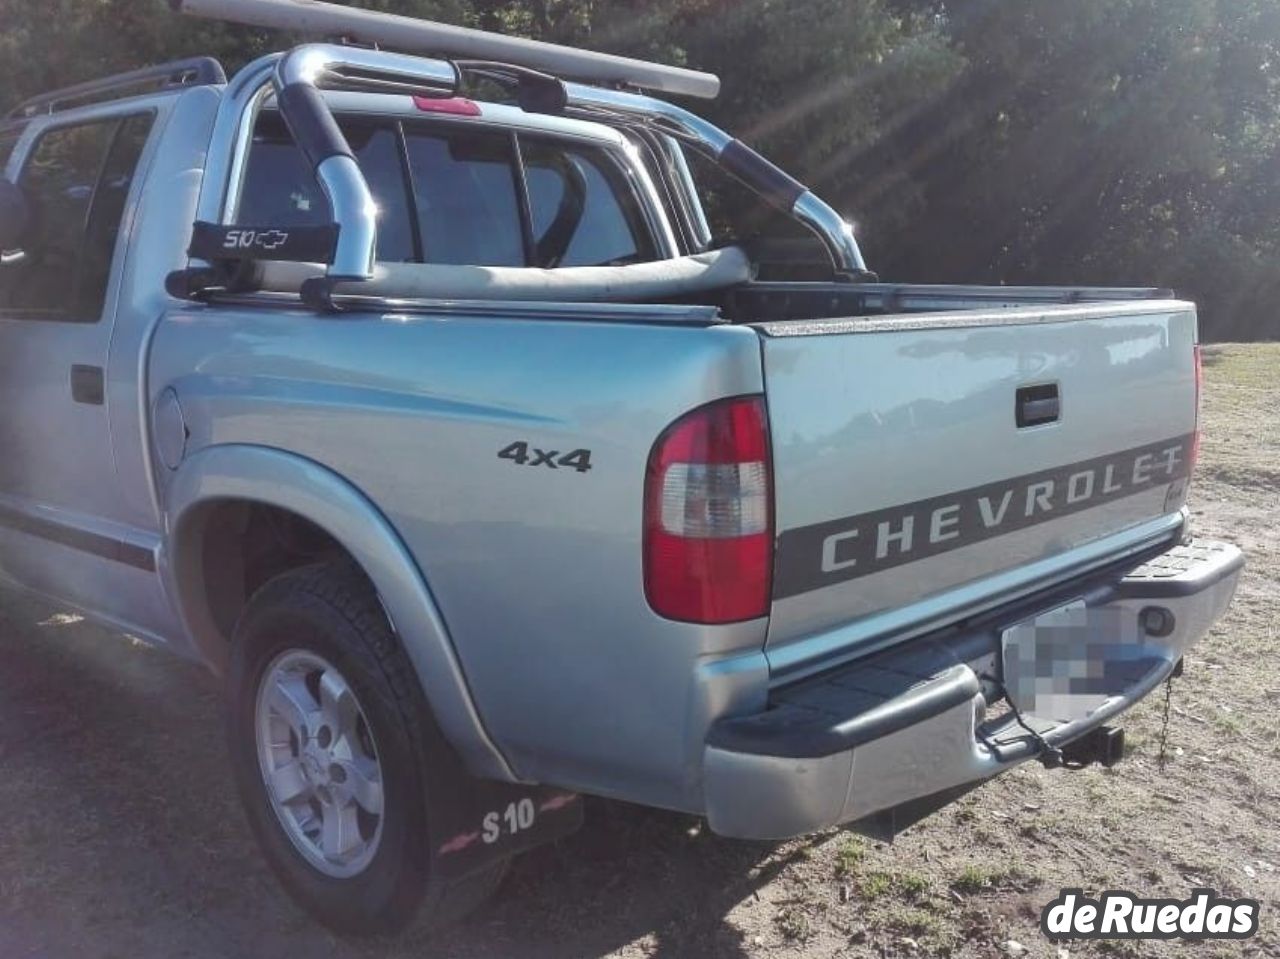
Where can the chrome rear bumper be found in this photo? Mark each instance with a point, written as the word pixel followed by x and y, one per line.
pixel 912 723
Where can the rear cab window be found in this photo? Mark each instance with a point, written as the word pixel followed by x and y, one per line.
pixel 584 211
pixel 468 196
pixel 280 188
pixel 464 195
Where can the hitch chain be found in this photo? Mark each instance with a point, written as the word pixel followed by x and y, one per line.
pixel 1164 723
pixel 1050 756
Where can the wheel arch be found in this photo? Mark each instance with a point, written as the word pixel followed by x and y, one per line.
pixel 261 476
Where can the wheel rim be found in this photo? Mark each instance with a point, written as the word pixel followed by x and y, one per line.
pixel 319 763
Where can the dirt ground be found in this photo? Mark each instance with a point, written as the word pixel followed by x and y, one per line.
pixel 120 835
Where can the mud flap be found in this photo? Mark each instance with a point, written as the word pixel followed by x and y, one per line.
pixel 489 821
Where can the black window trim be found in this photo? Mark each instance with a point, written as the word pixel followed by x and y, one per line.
pixel 118 121
pixel 525 203
pixel 410 193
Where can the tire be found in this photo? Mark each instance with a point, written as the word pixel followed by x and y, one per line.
pixel 337 758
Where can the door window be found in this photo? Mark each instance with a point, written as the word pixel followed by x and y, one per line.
pixel 77 181
pixel 107 213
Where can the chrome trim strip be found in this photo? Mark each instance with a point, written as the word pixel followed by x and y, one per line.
pixel 703 236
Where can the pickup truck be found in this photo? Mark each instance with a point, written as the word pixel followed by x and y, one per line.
pixel 444 431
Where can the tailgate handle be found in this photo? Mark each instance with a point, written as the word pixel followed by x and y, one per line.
pixel 1037 405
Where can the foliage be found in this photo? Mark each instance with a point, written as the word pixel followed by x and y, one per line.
pixel 1097 141
pixel 1102 141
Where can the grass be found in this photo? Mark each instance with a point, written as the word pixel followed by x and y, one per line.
pixel 875 884
pixel 850 851
pixel 914 922
pixel 1253 367
pixel 878 883
pixel 912 884
pixel 974 878
pixel 1228 723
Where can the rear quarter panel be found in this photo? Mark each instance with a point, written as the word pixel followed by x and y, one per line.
pixel 536 571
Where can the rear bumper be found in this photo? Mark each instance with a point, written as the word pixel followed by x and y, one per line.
pixel 913 722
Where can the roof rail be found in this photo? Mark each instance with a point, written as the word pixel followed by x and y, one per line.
pixel 198 71
pixel 442 40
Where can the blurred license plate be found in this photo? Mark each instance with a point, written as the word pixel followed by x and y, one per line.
pixel 1055 665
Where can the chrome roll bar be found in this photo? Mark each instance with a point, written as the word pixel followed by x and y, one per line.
pixel 773 184
pixel 295 79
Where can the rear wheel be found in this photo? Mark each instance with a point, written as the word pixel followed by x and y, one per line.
pixel 336 756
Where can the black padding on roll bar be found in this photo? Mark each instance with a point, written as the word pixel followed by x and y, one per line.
pixel 311 123
pixel 537 93
pixel 304 244
pixel 775 185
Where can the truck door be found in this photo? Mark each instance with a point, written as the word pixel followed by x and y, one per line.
pixel 59 491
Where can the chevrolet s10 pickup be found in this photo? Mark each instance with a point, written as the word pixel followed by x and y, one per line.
pixel 414 394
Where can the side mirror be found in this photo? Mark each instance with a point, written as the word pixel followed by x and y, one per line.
pixel 15 217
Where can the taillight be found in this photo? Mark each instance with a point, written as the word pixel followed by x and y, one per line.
pixel 1195 438
pixel 708 515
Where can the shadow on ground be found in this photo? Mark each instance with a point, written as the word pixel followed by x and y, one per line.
pixel 122 835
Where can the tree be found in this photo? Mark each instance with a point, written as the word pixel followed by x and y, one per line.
pixel 1102 141
pixel 1097 141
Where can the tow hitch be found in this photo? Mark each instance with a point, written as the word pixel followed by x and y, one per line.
pixel 1104 745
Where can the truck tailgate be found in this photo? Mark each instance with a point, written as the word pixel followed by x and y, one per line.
pixel 905 486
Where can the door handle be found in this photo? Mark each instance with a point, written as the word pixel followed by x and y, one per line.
pixel 1037 405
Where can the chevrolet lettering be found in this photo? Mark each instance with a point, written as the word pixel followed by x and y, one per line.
pixel 892 537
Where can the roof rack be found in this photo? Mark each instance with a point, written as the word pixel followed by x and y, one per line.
pixel 198 71
pixel 424 37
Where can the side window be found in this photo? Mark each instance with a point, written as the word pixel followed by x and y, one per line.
pixel 584 210
pixel 77 180
pixel 280 188
pixel 468 201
